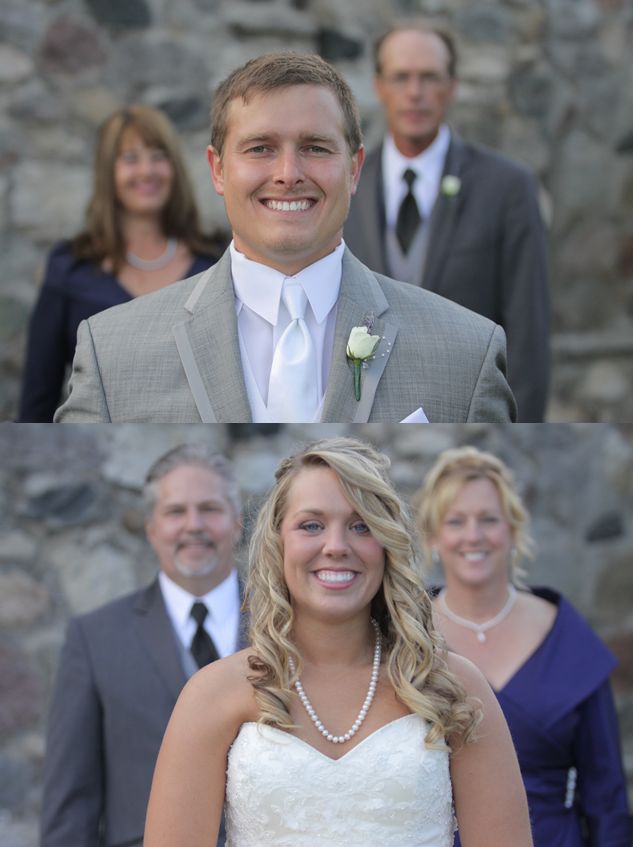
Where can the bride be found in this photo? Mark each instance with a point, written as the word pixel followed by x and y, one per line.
pixel 346 722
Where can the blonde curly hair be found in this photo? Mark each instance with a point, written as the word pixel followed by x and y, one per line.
pixel 415 654
pixel 453 469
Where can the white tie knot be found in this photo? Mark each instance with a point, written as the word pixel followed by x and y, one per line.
pixel 294 298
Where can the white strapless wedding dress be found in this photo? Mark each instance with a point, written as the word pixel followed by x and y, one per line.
pixel 387 791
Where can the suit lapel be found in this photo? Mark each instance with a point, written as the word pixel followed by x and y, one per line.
pixel 209 350
pixel 158 638
pixel 360 299
pixel 369 204
pixel 443 218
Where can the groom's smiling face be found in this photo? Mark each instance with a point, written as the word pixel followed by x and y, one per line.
pixel 286 174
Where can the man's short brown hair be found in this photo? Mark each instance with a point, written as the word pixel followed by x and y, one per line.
pixel 281 70
pixel 419 25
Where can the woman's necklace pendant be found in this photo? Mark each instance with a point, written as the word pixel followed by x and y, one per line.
pixel 481 637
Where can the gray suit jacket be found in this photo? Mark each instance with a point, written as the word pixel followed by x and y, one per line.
pixel 119 676
pixel 174 357
pixel 486 250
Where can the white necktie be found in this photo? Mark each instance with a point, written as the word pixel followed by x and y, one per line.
pixel 292 390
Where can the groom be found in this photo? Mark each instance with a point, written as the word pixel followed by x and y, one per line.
pixel 263 335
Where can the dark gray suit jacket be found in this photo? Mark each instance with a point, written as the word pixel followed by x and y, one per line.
pixel 119 677
pixel 486 251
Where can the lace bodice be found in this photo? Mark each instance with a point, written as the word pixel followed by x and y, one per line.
pixel 387 791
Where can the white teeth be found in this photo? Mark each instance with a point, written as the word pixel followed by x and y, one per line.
pixel 474 557
pixel 335 576
pixel 288 206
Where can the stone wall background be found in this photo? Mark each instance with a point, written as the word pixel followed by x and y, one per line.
pixel 550 82
pixel 71 538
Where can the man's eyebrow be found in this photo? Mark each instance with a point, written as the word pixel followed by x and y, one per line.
pixel 266 138
pixel 259 138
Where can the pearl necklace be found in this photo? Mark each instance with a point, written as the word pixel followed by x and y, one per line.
pixel 480 628
pixel 341 739
pixel 153 264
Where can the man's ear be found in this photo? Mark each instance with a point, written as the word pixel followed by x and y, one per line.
pixel 357 165
pixel 216 168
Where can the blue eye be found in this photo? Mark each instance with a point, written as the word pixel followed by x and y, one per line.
pixel 311 526
pixel 361 528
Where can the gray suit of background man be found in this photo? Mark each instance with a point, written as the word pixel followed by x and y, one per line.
pixel 123 665
pixel 481 240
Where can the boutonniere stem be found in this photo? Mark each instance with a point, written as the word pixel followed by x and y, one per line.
pixel 360 348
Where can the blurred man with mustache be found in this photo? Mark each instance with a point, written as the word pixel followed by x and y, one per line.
pixel 124 664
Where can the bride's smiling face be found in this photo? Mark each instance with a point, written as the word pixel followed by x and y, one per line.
pixel 332 563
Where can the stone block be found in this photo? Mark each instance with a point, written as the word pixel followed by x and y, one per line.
pixel 70 47
pixel 144 62
pixel 13 319
pixel 49 199
pixel 16 546
pixel 15 66
pixel 62 504
pixel 334 46
pixel 622 646
pixel 248 19
pixel 91 575
pixel 485 23
pixel 614 589
pixel 15 779
pixel 121 14
pixel 36 104
pixel 129 459
pixel 23 601
pixel 606 527
pixel 604 383
pixel 21 694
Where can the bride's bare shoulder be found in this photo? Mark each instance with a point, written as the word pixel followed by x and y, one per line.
pixel 222 691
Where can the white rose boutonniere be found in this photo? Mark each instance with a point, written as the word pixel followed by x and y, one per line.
pixel 360 348
pixel 450 185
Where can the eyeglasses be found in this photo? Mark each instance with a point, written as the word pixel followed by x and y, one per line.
pixel 427 79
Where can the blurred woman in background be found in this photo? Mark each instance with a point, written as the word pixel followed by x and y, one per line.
pixel 141 233
pixel 548 669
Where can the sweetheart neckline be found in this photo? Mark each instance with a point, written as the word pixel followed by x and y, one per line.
pixel 324 755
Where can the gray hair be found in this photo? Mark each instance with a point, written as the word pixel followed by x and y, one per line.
pixel 198 455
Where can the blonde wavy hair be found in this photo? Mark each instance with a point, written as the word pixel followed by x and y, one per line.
pixel 413 649
pixel 453 469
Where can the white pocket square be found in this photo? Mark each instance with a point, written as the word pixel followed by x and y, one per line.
pixel 416 417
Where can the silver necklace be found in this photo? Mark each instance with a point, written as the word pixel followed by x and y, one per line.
pixel 341 739
pixel 480 628
pixel 153 264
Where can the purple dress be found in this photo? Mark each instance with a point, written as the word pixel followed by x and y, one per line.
pixel 71 292
pixel 561 715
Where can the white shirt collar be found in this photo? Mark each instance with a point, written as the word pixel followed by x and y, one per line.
pixel 220 601
pixel 259 286
pixel 430 159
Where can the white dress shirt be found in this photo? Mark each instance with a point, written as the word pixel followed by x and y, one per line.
pixel 222 621
pixel 428 167
pixel 262 317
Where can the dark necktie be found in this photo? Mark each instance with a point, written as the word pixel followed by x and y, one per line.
pixel 202 646
pixel 408 215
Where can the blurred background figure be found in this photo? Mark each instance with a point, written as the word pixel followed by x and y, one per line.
pixel 456 218
pixel 141 233
pixel 550 672
pixel 124 664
